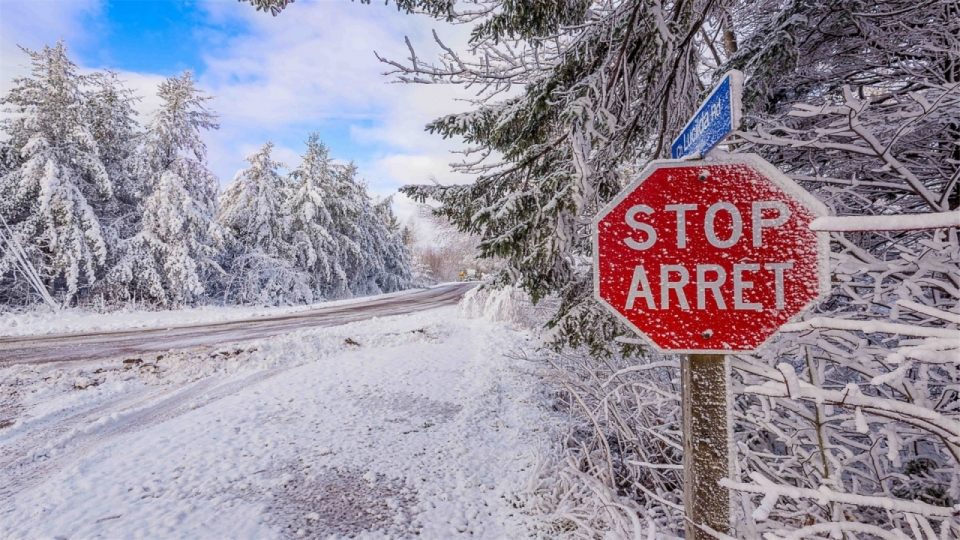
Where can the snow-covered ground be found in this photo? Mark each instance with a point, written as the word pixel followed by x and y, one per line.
pixel 44 321
pixel 423 425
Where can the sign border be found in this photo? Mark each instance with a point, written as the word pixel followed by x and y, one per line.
pixel 736 110
pixel 774 175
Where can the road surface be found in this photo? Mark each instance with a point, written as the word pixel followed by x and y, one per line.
pixel 112 344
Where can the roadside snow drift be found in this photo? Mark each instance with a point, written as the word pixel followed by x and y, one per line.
pixel 418 425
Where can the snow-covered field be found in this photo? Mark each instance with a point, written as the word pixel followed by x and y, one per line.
pixel 421 425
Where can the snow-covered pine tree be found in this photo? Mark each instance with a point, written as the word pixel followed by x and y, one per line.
pixel 348 244
pixel 57 179
pixel 347 202
pixel 111 117
pixel 389 259
pixel 316 241
pixel 604 86
pixel 253 216
pixel 372 251
pixel 173 257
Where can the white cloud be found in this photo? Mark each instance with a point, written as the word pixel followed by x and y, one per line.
pixel 35 23
pixel 314 66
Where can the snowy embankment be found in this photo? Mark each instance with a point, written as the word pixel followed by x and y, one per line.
pixel 417 425
pixel 43 321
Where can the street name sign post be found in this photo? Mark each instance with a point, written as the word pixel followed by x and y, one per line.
pixel 708 258
pixel 714 120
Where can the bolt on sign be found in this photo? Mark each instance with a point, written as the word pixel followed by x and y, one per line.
pixel 710 256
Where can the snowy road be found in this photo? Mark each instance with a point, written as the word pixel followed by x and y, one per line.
pixel 423 425
pixel 112 344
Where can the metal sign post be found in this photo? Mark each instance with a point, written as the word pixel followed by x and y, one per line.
pixel 706 443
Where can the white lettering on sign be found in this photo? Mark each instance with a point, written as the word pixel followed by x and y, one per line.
pixel 757 223
pixel 708 277
pixel 778 269
pixel 740 285
pixel 666 285
pixel 631 219
pixel 681 210
pixel 713 286
pixel 710 219
pixel 640 280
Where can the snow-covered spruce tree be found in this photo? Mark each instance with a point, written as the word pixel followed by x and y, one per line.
pixel 374 257
pixel 347 201
pixel 365 251
pixel 56 178
pixel 253 217
pixel 112 122
pixel 316 242
pixel 173 257
pixel 604 85
pixel 388 259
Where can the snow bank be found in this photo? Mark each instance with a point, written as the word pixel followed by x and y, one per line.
pixel 39 322
pixel 419 425
pixel 508 304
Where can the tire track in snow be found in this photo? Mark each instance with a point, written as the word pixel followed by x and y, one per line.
pixel 35 433
pixel 117 418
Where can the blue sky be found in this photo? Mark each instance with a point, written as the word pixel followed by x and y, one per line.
pixel 274 78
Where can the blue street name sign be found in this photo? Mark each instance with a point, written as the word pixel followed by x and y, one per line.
pixel 715 119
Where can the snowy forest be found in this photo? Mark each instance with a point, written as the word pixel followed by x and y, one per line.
pixel 848 426
pixel 100 211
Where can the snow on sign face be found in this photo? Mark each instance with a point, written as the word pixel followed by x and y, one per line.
pixel 710 257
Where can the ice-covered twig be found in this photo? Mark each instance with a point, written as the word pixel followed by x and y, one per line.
pixel 909 222
pixel 871 327
pixel 826 495
pixel 931 311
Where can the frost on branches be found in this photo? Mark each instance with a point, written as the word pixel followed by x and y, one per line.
pixel 53 179
pixel 97 210
pixel 173 255
pixel 251 214
pixel 849 425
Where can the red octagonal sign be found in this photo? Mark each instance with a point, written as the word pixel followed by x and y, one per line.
pixel 710 257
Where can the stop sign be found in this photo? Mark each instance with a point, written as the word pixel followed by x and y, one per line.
pixel 710 257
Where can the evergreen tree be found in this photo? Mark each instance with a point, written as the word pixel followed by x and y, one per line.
pixel 173 257
pixel 317 244
pixel 57 177
pixel 348 244
pixel 390 255
pixel 251 211
pixel 112 122
pixel 253 216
